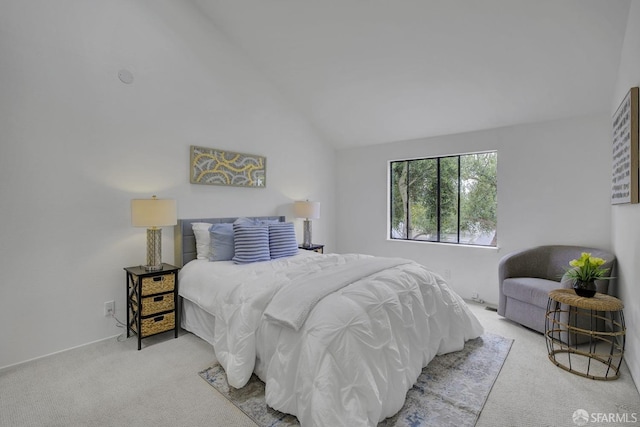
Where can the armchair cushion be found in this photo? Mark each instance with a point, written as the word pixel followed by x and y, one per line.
pixel 530 289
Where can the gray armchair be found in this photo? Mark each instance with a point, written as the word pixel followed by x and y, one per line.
pixel 526 277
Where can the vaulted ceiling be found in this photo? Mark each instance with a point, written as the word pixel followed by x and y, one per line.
pixel 373 71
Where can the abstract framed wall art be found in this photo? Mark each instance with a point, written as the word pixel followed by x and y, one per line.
pixel 219 167
pixel 624 179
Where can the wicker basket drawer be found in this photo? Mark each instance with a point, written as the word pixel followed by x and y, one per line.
pixel 157 304
pixel 155 325
pixel 158 284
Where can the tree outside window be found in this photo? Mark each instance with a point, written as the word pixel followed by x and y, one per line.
pixel 451 199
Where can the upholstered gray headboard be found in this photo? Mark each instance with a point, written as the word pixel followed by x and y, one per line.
pixel 185 241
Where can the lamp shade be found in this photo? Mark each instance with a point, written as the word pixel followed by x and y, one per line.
pixel 306 209
pixel 153 212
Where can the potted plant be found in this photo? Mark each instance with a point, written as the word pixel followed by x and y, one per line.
pixel 586 270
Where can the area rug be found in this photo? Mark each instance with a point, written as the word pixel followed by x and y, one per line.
pixel 450 391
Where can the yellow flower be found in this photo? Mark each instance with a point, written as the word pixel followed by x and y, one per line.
pixel 587 268
pixel 584 258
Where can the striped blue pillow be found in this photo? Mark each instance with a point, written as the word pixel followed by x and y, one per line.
pixel 251 243
pixel 282 240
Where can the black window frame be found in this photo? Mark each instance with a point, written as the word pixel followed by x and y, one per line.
pixel 438 160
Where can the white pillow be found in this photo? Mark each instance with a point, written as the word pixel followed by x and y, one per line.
pixel 203 240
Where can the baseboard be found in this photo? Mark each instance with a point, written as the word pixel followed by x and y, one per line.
pixel 24 362
pixel 487 305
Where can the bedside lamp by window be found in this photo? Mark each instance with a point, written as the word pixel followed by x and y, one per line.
pixel 153 213
pixel 307 210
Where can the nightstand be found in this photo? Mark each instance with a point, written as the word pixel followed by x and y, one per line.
pixel 314 248
pixel 152 301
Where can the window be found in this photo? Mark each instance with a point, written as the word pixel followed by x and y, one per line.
pixel 451 199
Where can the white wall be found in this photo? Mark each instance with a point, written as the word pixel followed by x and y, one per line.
pixel 553 188
pixel 76 145
pixel 626 218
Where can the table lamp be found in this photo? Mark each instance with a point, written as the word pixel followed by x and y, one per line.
pixel 153 213
pixel 307 210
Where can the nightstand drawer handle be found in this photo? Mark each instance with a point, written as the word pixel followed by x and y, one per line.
pixel 158 319
pixel 158 299
pixel 158 278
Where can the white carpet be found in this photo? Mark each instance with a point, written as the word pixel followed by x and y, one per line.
pixel 532 391
pixel 112 384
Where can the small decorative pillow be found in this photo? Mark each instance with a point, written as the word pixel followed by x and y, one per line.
pixel 222 244
pixel 282 240
pixel 251 243
pixel 246 221
pixel 203 241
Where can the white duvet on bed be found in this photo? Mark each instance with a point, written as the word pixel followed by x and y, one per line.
pixel 361 348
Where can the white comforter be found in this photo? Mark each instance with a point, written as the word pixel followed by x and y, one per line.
pixel 361 348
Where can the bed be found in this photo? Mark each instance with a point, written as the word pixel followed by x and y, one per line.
pixel 338 339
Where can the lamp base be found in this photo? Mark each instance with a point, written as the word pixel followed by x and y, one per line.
pixel 154 249
pixel 306 239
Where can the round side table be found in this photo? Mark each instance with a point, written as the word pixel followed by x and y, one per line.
pixel 585 336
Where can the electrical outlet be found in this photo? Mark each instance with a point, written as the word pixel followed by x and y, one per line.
pixel 109 308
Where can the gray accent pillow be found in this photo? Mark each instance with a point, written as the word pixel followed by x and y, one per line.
pixel 222 243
